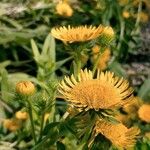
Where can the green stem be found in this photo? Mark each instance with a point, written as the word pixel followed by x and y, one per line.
pixel 137 19
pixel 41 127
pixel 31 120
pixel 78 66
pixel 97 60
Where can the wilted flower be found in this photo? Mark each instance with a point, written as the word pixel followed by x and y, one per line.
pixel 11 124
pixel 64 9
pixel 25 88
pixel 104 92
pixel 118 134
pixel 144 113
pixel 21 115
pixel 77 34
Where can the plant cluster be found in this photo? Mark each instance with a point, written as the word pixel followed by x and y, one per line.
pixel 70 92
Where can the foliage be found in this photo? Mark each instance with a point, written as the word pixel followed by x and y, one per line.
pixel 36 56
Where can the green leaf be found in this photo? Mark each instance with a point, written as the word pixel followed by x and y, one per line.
pixel 4 84
pixel 117 69
pixel 144 91
pixel 60 146
pixel 50 126
pixel 35 50
pixel 52 51
pixel 62 62
pixel 46 45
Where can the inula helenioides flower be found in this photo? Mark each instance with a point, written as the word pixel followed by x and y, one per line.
pixel 118 134
pixel 103 92
pixel 77 34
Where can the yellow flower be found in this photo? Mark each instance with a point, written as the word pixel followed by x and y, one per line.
pixel 118 134
pixel 64 9
pixel 126 14
pixel 95 49
pixel 144 113
pixel 143 17
pixel 25 88
pixel 77 34
pixel 103 92
pixel 104 58
pixel 11 124
pixel 21 115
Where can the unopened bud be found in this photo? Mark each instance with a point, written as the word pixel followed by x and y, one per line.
pixel 25 88
pixel 21 115
pixel 107 36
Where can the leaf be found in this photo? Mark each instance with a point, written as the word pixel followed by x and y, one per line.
pixel 117 69
pixel 61 62
pixel 35 50
pixel 144 91
pixel 46 45
pixel 4 85
pixel 60 146
pixel 52 51
pixel 50 126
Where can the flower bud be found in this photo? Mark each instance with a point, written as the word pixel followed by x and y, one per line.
pixel 107 36
pixel 144 112
pixel 64 9
pixel 126 14
pixel 11 124
pixel 21 115
pixel 25 88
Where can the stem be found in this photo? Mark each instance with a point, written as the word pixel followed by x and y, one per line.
pixel 137 19
pixel 97 59
pixel 78 66
pixel 41 127
pixel 31 119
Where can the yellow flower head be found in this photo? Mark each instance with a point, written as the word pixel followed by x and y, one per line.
pixel 76 34
pixel 126 14
pixel 118 134
pixel 25 88
pixel 103 92
pixel 11 124
pixel 95 49
pixel 21 115
pixel 144 113
pixel 143 17
pixel 64 9
pixel 104 58
pixel 107 36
